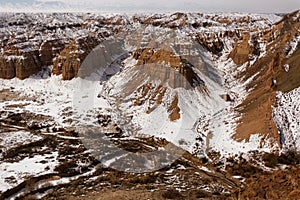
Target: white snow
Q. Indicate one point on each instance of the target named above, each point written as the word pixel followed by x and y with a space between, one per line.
pixel 287 117
pixel 293 45
pixel 223 127
pixel 53 97
pixel 15 138
pixel 286 68
pixel 20 171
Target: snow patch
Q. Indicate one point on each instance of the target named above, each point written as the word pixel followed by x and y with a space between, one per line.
pixel 287 117
pixel 12 174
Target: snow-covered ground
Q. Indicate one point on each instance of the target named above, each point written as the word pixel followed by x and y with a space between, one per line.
pixel 13 173
pixel 49 96
pixel 287 117
pixel 16 138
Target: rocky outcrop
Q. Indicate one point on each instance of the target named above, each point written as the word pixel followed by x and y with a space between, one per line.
pixel 212 42
pixel 176 20
pixel 280 184
pixel 241 50
pixel 50 49
pixel 7 68
pixel 29 42
pixel 167 58
pixel 26 58
pixel 149 55
pixel 70 58
pixel 19 60
pixel 269 76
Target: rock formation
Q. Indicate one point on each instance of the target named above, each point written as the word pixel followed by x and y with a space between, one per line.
pixel 70 58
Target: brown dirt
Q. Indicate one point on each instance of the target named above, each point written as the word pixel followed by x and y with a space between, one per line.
pixel 148 55
pixel 256 108
pixel 119 195
pixel 8 94
pixel 174 110
pixel 257 118
pixel 147 195
pixel 241 51
pixel 273 185
pixel 287 81
pixel 160 93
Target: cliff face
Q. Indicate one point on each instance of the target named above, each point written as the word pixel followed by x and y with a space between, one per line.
pixel 49 49
pixel 176 20
pixel 241 50
pixel 70 58
pixel 270 75
pixel 30 42
pixel 19 60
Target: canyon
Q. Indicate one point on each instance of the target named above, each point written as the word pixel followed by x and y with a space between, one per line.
pixel 183 105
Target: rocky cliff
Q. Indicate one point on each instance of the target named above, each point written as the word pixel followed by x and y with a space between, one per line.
pixel 70 58
pixel 270 74
pixel 260 47
pixel 223 87
pixel 30 42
